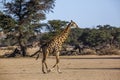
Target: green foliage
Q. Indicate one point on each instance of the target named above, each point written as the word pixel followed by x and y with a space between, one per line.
pixel 7 24
pixel 56 25
pixel 89 37
pixel 48 36
pixel 27 11
pixel 26 14
pixel 74 35
pixel 103 35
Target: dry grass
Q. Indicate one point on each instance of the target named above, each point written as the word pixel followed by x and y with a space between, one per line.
pixel 3 52
pixel 9 50
pixel 30 51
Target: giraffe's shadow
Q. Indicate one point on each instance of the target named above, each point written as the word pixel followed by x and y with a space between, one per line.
pixel 92 68
pixel 93 58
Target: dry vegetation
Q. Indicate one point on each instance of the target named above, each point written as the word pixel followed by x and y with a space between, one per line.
pixel 110 51
pixel 9 50
pixel 4 51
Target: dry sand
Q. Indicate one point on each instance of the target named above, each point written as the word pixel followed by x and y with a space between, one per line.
pixel 73 68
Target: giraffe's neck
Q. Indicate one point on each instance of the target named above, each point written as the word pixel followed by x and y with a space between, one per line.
pixel 66 31
pixel 58 40
pixel 64 34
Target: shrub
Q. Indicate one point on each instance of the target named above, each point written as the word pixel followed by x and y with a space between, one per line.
pixel 110 51
pixel 89 52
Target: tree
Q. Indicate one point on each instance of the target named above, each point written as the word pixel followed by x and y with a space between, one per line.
pixel 73 38
pixel 56 25
pixel 7 24
pixel 27 15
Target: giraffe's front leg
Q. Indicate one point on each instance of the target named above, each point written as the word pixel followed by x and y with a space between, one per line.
pixel 58 69
pixel 57 63
pixel 47 69
pixel 44 64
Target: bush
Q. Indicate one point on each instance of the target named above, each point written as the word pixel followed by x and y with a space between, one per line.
pixel 89 52
pixel 110 51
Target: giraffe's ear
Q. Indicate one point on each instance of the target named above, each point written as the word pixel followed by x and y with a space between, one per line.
pixel 71 20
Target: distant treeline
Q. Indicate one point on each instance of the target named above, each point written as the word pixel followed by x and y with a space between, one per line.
pixel 101 35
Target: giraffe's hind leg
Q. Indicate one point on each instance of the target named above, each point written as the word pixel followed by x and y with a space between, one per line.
pixel 44 64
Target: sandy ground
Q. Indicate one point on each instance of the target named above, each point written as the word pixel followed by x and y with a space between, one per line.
pixel 73 68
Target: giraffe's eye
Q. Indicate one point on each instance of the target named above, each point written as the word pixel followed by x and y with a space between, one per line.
pixel 72 24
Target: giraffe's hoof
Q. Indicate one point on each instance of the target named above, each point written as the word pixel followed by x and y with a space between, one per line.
pixel 48 71
pixel 44 72
pixel 60 72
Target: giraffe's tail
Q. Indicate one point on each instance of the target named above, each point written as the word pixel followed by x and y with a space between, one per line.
pixel 39 51
pixel 37 57
pixel 36 53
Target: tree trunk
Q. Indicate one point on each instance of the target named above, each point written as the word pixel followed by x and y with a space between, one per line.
pixel 22 45
pixel 23 50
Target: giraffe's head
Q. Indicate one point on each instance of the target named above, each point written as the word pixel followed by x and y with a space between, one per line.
pixel 73 24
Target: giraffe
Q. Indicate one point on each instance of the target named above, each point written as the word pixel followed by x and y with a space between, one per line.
pixel 54 46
